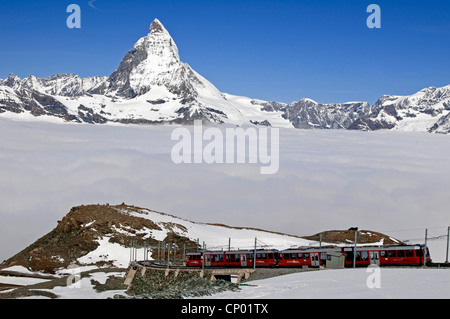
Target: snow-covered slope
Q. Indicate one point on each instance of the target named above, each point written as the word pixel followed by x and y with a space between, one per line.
pixel 59 84
pixel 423 111
pixel 323 284
pixel 349 284
pixel 103 235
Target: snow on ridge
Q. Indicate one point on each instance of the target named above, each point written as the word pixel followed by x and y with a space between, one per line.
pixel 217 236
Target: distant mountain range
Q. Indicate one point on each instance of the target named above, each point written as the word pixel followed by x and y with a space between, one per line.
pixel 153 86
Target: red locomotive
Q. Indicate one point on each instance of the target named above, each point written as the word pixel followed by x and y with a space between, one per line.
pixel 312 257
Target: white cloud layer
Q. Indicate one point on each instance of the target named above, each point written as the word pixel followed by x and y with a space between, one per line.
pixel 382 181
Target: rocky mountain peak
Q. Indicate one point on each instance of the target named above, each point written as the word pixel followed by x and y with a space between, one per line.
pixel 153 60
pixel 157 27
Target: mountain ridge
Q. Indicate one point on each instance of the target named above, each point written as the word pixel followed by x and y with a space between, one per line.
pixel 153 86
pixel 102 235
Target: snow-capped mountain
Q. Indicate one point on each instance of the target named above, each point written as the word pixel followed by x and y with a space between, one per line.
pixel 152 85
pixel 60 84
pixel 309 114
pixel 426 111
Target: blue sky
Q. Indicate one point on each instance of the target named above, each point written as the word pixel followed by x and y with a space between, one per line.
pixel 272 50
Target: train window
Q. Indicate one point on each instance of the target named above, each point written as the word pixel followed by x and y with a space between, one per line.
pixel 364 256
pixel 358 256
pixel 400 253
pixel 270 255
pixel 323 256
pixel 264 256
pixel 299 255
pixel 233 258
pixel 383 253
pixel 258 256
pixel 305 255
pixel 227 258
pixel 249 256
pixel 419 252
pixel 292 255
pixel 286 256
pixel 409 253
pixel 392 253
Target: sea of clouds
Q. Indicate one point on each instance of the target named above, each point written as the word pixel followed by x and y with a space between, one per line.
pixel 393 182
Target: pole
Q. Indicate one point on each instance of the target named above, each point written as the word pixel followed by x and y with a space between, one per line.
pixel 354 253
pixel 163 255
pixel 448 243
pixel 203 259
pixel 168 256
pixel 175 254
pixel 254 255
pixel 159 250
pixel 425 248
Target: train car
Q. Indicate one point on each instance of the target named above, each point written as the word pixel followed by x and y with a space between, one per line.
pixel 264 258
pixel 214 258
pixel 236 258
pixel 194 259
pixel 395 255
pixel 307 257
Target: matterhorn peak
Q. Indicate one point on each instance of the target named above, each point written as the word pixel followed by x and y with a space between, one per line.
pixel 153 60
pixel 157 27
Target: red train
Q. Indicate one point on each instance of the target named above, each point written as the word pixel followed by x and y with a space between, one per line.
pixel 312 257
pixel 236 258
